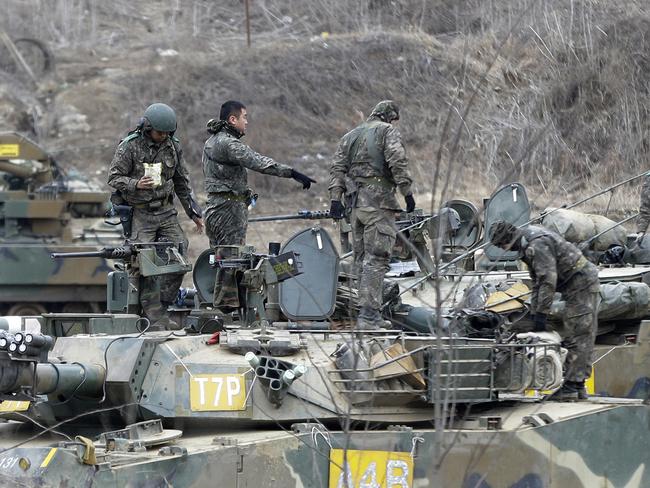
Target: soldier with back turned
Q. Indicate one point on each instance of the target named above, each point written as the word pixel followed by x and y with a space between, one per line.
pixel 372 156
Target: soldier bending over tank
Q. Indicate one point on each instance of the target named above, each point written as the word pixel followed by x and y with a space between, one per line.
pixel 557 265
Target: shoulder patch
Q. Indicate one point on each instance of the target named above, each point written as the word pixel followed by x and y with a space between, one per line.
pixel 530 252
pixel 130 137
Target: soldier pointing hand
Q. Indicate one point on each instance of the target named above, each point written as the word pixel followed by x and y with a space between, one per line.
pixel 225 162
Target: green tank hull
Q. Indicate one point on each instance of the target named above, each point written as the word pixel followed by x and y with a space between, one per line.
pixel 528 445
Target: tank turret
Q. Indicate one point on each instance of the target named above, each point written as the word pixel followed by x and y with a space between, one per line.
pixel 285 385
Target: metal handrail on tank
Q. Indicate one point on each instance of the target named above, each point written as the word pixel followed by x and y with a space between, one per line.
pixel 520 374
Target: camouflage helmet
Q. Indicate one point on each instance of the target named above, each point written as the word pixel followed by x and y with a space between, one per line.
pixel 503 234
pixel 386 110
pixel 160 117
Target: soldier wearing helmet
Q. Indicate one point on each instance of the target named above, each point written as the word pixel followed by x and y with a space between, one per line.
pixel 147 170
pixel 373 158
pixel 556 265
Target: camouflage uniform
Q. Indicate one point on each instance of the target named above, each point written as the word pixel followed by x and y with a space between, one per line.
pixel 225 159
pixel 557 265
pixel 644 206
pixel 373 156
pixel 154 215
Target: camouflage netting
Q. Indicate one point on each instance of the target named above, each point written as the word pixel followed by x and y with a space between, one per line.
pixel 578 227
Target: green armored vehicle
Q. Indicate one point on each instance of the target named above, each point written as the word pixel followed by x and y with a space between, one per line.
pixel 475 281
pixel 278 394
pixel 44 210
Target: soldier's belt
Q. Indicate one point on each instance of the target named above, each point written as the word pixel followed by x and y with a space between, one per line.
pixel 233 197
pixel 153 204
pixel 375 181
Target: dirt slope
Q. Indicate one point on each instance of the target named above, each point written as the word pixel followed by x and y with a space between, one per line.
pixel 553 94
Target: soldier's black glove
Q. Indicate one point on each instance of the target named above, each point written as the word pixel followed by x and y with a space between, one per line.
pixel 539 322
pixel 410 203
pixel 304 179
pixel 195 208
pixel 639 239
pixel 337 211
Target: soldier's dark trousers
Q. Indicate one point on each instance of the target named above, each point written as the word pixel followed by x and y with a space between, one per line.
pixel 374 234
pixel 226 222
pixel 226 294
pixel 225 225
pixel 582 300
pixel 148 227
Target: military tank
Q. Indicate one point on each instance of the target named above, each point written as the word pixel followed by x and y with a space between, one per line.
pixel 42 210
pixel 278 394
pixel 487 278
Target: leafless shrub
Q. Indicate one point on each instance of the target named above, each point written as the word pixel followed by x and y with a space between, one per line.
pixel 572 76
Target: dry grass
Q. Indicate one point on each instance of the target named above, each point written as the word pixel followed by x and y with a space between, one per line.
pixel 552 93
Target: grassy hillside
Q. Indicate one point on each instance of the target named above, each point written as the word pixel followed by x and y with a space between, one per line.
pixel 552 93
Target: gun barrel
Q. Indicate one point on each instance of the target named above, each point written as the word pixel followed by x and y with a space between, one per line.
pixel 52 379
pixel 18 170
pixel 85 254
pixel 416 220
pixel 106 253
pixel 271 218
pixel 306 215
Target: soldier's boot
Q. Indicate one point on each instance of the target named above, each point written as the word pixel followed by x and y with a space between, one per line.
pixel 165 320
pixel 158 318
pixel 164 323
pixel 370 319
pixel 570 392
pixel 582 391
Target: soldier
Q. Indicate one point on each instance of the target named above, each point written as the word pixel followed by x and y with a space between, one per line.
pixel 147 169
pixel 225 160
pixel 644 211
pixel 373 156
pixel 557 265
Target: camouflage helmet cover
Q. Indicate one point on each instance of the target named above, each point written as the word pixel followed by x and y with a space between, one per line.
pixel 387 110
pixel 160 117
pixel 503 234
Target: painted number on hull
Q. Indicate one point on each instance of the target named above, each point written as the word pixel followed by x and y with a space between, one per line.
pixel 215 392
pixel 370 469
pixel 13 406
pixel 9 150
pixel 8 462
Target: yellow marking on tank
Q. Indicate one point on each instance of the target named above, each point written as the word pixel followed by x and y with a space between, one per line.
pixel 9 150
pixel 590 383
pixel 13 406
pixel 49 457
pixel 536 393
pixel 217 392
pixel 381 469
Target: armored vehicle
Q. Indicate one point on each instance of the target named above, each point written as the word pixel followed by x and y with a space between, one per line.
pixel 278 393
pixel 42 210
pixel 475 281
